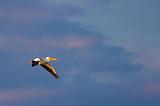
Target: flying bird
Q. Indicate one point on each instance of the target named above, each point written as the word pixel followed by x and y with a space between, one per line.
pixel 44 62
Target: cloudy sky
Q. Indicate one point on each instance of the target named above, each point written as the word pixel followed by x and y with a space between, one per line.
pixel 108 50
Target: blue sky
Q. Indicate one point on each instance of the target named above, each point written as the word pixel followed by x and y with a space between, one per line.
pixel 108 50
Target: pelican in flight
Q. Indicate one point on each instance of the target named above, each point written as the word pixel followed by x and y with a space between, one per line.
pixel 44 62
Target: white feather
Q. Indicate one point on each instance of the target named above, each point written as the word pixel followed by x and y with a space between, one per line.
pixel 47 58
pixel 36 59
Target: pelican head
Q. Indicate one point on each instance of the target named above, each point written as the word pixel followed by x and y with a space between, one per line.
pixel 51 59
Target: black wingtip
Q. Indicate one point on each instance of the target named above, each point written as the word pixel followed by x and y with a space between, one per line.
pixel 56 76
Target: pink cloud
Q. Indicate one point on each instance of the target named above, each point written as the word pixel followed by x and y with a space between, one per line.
pixel 78 42
pixel 17 95
pixel 68 42
pixel 153 90
pixel 148 91
pixel 27 44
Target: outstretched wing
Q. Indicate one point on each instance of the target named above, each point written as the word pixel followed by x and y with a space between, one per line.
pixel 50 69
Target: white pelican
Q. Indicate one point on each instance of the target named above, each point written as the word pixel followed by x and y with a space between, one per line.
pixel 44 62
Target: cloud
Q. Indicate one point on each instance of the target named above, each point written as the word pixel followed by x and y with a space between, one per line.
pixel 129 27
pixel 152 90
pixel 26 44
pixel 30 12
pixel 107 78
pixel 12 96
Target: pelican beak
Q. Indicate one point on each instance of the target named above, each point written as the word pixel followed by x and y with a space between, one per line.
pixel 53 59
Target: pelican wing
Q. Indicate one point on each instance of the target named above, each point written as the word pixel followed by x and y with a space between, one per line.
pixel 50 69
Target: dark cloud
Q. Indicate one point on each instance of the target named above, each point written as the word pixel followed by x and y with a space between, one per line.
pixel 17 17
pixel 38 10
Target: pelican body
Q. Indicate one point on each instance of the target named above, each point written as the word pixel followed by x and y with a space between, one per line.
pixel 44 62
